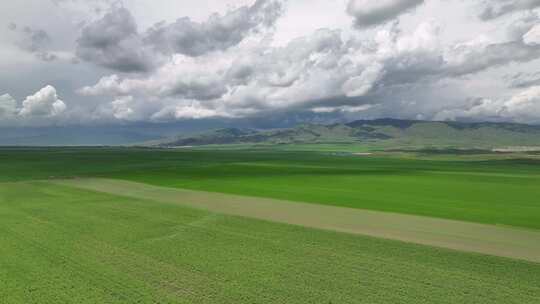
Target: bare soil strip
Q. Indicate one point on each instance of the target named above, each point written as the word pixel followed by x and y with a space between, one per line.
pixel 501 241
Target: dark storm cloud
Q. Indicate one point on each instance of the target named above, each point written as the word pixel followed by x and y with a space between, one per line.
pixel 114 42
pixel 492 9
pixel 219 32
pixel 369 12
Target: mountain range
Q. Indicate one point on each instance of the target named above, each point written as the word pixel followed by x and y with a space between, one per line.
pixel 382 133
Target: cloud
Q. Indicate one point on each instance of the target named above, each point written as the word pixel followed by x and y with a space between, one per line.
pixel 187 110
pixel 524 80
pixel 319 71
pixel 342 109
pixel 470 59
pixel 368 13
pixel 519 26
pixel 491 9
pixel 532 37
pixel 113 42
pixel 219 32
pixel 109 85
pixel 361 84
pixel 44 103
pixel 255 61
pixel 246 81
pixel 8 106
pixel 420 56
pixel 121 108
pixel 35 41
pixel 522 107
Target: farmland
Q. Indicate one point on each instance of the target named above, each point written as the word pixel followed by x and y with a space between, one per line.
pixel 73 231
pixel 451 189
pixel 64 245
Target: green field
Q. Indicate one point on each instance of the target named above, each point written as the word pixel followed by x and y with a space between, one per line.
pixel 452 189
pixel 63 245
pixel 504 241
pixel 60 243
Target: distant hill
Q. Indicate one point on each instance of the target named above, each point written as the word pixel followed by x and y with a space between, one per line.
pixel 383 133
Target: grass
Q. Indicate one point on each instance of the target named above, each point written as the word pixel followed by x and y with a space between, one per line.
pixel 502 241
pixel 64 245
pixel 501 192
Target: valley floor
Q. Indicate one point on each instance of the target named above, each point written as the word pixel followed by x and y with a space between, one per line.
pixel 130 225
pixel 487 239
pixel 61 244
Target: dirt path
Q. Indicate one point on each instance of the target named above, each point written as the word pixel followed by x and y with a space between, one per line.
pixel 486 239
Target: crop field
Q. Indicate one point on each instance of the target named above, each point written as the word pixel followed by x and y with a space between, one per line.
pixel 127 225
pixel 489 239
pixel 65 245
pixel 451 189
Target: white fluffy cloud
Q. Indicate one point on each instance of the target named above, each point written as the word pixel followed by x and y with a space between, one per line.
pixel 532 37
pixel 522 107
pixel 121 108
pixel 372 12
pixel 42 108
pixel 342 109
pixel 44 103
pixel 186 110
pixel 360 85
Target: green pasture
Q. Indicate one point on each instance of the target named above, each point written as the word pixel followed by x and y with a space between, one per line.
pixel 491 191
pixel 64 245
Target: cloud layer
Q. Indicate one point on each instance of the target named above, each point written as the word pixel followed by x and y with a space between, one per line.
pixel 35 41
pixel 114 41
pixel 389 58
pixel 495 9
pixel 219 32
pixel 368 12
pixel 320 71
pixel 8 106
pixel 522 107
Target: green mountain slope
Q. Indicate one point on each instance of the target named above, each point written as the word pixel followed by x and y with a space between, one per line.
pixel 384 133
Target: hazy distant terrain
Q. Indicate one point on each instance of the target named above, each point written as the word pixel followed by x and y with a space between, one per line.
pixel 367 134
pixel 381 133
pixel 95 135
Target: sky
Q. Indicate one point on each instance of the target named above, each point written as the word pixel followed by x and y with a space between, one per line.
pixel 103 62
